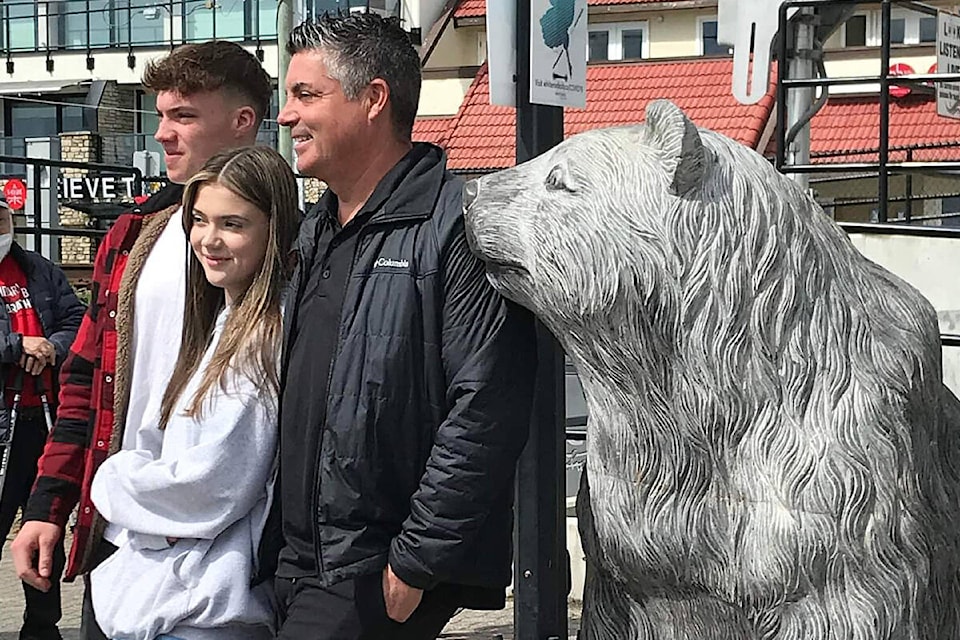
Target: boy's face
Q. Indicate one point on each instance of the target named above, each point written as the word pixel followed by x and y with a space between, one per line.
pixel 194 128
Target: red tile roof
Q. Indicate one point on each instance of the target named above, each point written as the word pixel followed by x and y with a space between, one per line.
pixel 431 129
pixel 478 8
pixel 848 130
pixel 482 137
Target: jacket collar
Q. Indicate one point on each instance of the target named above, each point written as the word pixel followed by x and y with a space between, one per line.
pixel 408 191
pixel 168 196
pixel 19 255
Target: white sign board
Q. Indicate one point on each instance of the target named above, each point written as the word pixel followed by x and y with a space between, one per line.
pixel 749 26
pixel 91 187
pixel 502 51
pixel 558 53
pixel 948 61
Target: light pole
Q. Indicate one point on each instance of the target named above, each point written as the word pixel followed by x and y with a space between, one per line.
pixel 284 27
pixel 540 560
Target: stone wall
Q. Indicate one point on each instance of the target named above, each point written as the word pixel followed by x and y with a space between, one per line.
pixel 312 190
pixel 77 147
pixel 116 123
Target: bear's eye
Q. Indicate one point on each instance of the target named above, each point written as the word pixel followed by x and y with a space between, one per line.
pixel 559 179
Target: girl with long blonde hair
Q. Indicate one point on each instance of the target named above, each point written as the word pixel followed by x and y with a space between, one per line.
pixel 194 495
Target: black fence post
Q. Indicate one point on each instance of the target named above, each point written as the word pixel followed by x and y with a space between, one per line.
pixel 541 564
pixel 37 206
pixel 884 155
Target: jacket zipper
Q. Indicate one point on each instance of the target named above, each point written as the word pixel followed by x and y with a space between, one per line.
pixel 326 413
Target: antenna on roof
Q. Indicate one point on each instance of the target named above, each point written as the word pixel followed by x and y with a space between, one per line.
pixel 749 26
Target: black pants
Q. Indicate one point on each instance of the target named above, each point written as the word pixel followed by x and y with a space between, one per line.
pixel 355 610
pixel 42 612
pixel 89 629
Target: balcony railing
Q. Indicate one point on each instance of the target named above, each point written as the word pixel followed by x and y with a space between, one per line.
pixel 91 25
pixel 120 148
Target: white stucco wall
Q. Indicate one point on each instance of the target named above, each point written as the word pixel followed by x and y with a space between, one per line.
pixel 930 265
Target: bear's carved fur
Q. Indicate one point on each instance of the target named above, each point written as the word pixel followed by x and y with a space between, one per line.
pixel 771 452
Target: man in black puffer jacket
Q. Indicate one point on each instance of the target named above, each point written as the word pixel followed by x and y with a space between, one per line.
pixel 39 320
pixel 407 381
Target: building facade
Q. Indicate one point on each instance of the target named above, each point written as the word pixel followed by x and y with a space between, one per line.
pixel 75 65
pixel 639 50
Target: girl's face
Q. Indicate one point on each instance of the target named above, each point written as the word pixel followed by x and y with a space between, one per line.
pixel 229 236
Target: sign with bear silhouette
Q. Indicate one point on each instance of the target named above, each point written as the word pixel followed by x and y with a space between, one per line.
pixel 558 60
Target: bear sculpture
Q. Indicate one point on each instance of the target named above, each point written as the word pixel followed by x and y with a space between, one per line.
pixel 771 453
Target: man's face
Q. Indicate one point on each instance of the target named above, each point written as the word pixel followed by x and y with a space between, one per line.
pixel 329 132
pixel 194 128
pixel 6 221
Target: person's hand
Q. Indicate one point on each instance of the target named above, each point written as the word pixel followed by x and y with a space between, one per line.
pixel 35 537
pixel 400 598
pixel 37 354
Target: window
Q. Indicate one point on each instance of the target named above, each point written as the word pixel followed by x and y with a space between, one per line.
pixel 266 18
pixel 911 27
pixel 269 129
pixel 385 7
pixel 898 28
pixel 631 44
pixel 928 29
pixel 598 45
pixel 206 20
pixel 105 23
pixel 855 31
pixel 17 28
pixel 100 23
pixel 87 23
pixel 230 19
pixel 617 41
pixel 30 119
pixel 906 27
pixel 147 123
pixel 143 23
pixel 319 7
pixel 708 39
pixel 481 47
pixel 950 209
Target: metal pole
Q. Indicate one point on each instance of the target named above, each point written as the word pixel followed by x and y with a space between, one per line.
pixel 37 208
pixel 541 564
pixel 884 174
pixel 284 27
pixel 908 188
pixel 781 91
pixel 799 100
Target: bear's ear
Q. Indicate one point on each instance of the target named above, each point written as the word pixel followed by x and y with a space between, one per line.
pixel 680 145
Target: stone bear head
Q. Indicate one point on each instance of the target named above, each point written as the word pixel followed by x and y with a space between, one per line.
pixel 580 229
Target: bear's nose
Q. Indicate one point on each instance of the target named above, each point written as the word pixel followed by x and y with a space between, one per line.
pixel 470 191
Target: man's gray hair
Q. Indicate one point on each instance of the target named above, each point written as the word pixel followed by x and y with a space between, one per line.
pixel 360 47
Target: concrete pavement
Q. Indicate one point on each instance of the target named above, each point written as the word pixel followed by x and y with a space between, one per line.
pixel 468 625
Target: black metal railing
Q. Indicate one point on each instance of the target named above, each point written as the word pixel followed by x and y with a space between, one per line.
pixel 883 167
pixel 45 189
pixel 92 25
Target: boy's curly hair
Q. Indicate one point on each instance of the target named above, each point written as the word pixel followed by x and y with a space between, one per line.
pixel 212 66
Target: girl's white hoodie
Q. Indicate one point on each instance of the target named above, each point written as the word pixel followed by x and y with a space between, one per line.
pixel 206 485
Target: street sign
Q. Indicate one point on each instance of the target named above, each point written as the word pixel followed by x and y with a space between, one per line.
pixel 15 193
pixel 948 61
pixel 502 51
pixel 558 53
pixel 749 26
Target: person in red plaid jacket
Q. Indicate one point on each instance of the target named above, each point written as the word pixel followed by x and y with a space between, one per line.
pixel 211 97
